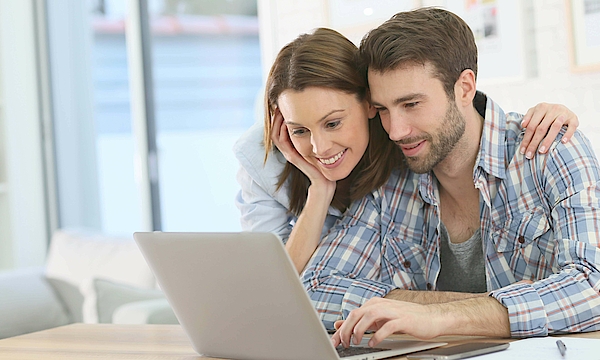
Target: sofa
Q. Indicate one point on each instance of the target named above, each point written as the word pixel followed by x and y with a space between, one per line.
pixel 88 277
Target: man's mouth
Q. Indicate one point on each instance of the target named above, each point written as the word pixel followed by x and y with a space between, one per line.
pixel 411 149
pixel 408 147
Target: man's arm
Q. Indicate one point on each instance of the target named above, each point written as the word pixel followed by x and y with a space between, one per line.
pixel 569 299
pixel 482 315
pixel 430 297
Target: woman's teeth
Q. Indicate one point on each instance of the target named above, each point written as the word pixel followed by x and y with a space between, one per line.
pixel 332 160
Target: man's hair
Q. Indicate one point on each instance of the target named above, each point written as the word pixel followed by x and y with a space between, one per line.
pixel 424 36
pixel 327 59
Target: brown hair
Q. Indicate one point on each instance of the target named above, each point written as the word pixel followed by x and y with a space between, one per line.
pixel 427 35
pixel 325 58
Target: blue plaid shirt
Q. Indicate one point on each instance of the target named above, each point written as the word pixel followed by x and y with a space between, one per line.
pixel 539 222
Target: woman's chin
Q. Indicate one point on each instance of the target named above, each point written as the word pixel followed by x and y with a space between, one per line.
pixel 338 176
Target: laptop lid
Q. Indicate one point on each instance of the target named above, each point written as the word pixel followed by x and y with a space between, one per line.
pixel 237 295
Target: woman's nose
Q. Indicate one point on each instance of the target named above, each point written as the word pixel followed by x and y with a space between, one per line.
pixel 320 144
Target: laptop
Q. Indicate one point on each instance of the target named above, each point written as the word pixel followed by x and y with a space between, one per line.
pixel 238 296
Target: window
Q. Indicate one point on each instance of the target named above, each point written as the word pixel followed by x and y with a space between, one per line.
pixel 206 75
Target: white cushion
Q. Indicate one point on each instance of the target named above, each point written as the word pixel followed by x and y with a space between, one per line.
pixel 154 311
pixel 28 303
pixel 102 297
pixel 76 255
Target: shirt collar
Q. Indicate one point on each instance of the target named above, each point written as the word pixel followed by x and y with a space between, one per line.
pixel 492 148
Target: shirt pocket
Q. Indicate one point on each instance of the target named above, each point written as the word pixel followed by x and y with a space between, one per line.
pixel 405 262
pixel 521 231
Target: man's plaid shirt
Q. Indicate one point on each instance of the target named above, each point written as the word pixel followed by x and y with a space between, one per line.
pixel 540 221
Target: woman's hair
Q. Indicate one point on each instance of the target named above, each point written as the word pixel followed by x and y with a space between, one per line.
pixel 327 59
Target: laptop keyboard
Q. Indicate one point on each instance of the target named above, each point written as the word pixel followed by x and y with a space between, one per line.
pixel 356 350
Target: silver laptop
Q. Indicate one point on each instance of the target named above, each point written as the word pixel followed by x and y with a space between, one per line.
pixel 238 296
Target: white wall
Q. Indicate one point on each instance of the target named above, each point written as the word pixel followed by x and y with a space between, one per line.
pixel 281 21
pixel 545 29
pixel 554 82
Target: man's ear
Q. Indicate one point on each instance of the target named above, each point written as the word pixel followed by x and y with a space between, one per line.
pixel 465 88
pixel 371 111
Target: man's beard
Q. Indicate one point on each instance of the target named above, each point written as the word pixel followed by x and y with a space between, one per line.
pixel 441 144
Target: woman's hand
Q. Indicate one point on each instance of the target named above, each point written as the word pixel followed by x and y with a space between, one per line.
pixel 306 234
pixel 281 139
pixel 543 122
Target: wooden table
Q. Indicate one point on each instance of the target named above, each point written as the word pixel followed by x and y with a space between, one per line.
pixel 107 341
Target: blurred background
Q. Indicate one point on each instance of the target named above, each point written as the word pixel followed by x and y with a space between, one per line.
pixel 120 115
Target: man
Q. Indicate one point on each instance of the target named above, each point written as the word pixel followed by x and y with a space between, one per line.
pixel 511 245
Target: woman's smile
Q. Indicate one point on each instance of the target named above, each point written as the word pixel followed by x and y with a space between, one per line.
pixel 332 161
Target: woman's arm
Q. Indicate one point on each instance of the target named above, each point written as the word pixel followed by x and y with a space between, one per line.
pixel 259 210
pixel 306 234
pixel 262 207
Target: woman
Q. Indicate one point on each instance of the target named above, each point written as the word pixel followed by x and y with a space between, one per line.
pixel 318 117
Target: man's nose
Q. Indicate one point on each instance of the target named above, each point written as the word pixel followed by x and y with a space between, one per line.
pixel 397 127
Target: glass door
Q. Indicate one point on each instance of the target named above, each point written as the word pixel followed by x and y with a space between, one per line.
pixel 207 80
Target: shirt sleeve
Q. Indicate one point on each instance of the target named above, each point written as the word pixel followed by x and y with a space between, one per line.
pixel 568 300
pixel 259 211
pixel 339 276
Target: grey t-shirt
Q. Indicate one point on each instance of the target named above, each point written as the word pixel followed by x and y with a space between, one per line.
pixel 462 265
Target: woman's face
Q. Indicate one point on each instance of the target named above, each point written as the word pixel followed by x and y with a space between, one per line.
pixel 329 128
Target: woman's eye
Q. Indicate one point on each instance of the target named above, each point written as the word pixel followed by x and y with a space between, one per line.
pixel 298 132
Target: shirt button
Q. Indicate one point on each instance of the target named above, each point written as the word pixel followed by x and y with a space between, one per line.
pixel 521 239
pixel 406 264
pixel 429 286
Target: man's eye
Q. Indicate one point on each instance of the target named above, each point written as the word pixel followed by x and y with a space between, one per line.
pixel 412 104
pixel 332 124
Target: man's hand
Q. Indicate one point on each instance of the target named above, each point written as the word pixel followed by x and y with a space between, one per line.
pixel 387 317
pixel 483 316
